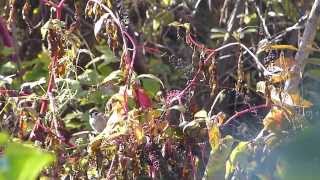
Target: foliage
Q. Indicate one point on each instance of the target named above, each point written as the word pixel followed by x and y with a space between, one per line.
pixel 175 107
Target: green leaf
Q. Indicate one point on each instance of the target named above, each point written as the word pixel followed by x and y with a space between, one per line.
pixel 114 76
pixel 3 138
pixel 151 87
pixel 107 57
pixel 167 2
pixel 155 24
pixel 33 84
pixel 238 157
pixel 216 164
pixel 5 51
pixel 35 75
pixel 150 76
pixel 314 74
pixel 89 77
pixel 8 68
pixel 22 162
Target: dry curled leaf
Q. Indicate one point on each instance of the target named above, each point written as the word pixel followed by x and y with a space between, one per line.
pixel 288 99
pixel 274 120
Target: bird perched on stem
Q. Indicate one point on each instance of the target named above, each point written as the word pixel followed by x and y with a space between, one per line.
pixel 97 120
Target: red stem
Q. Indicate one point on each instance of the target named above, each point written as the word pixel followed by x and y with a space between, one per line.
pixel 237 114
pixel 209 52
pixel 4 34
pixel 58 7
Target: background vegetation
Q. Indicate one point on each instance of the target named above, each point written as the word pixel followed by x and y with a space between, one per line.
pixel 207 89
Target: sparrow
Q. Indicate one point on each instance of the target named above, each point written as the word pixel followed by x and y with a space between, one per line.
pixel 97 120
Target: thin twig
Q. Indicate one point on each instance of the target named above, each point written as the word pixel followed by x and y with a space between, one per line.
pixel 263 21
pixel 259 64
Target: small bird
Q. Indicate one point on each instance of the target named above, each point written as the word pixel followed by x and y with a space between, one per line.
pixel 97 120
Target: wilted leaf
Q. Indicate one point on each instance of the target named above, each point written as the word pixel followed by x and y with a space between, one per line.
pixel 288 99
pixel 51 24
pixel 261 87
pixel 275 120
pixel 283 47
pixel 99 23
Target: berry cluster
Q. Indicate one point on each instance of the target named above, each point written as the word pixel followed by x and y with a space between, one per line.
pixel 272 55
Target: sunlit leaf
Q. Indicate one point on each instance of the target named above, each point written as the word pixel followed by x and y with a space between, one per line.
pixel 183 25
pixel 150 76
pixel 114 76
pixel 214 137
pixel 288 99
pixel 275 120
pixel 238 157
pixel 24 162
pixel 216 164
pixel 283 47
pixel 180 108
pixel 8 68
pixel 99 23
pixel 139 134
pixel 3 138
pixel 167 2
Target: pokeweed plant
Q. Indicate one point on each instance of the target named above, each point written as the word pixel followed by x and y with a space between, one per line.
pixel 200 119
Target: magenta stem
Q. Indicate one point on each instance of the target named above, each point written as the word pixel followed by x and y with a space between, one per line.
pixel 237 114
pixel 4 34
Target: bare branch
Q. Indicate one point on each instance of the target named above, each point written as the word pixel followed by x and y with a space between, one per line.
pixel 304 50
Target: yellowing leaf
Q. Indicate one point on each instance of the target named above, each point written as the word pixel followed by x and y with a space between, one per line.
pixel 155 24
pixel 214 137
pixel 282 47
pixel 167 2
pixel 274 119
pixel 288 99
pixel 202 114
pixel 281 77
pixel 184 25
pixel 284 63
pixel 139 134
pixel 261 87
